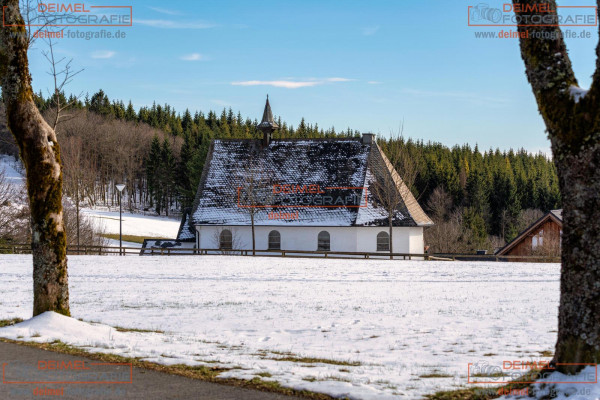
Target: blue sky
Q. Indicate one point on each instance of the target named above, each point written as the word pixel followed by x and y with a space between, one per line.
pixel 368 65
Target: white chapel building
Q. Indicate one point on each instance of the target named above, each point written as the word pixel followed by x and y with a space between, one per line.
pixel 315 195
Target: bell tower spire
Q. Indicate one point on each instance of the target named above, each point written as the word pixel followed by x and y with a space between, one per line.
pixel 267 125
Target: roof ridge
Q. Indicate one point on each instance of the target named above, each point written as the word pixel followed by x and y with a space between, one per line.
pixel 352 139
pixel 410 202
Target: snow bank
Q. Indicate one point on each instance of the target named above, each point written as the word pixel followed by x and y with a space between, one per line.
pixel 133 224
pixel 52 326
pixel 380 328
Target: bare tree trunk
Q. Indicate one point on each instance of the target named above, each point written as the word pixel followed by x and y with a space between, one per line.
pixel 572 118
pixel 390 221
pixel 579 311
pixel 40 153
pixel 77 209
pixel 253 237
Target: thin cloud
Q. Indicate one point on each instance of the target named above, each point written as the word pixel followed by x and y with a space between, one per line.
pixel 339 80
pixel 374 83
pixel 282 84
pixel 192 57
pixel 370 30
pixel 169 24
pixel 165 11
pixel 291 84
pixel 103 54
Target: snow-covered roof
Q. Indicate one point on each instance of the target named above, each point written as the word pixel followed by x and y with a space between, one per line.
pixel 338 167
pixel 186 231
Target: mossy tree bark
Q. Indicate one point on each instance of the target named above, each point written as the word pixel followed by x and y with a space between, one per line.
pixel 573 126
pixel 40 153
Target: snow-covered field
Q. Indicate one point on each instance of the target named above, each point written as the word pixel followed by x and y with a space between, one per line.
pixel 134 224
pixel 388 328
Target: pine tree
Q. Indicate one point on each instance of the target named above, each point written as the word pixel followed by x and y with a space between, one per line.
pixel 130 112
pixel 302 131
pixel 187 122
pixel 100 104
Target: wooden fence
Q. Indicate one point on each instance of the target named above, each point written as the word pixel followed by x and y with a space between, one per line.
pixel 172 251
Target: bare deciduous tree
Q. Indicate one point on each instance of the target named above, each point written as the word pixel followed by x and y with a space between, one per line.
pixel 548 244
pixel 40 153
pixel 62 74
pixel 72 161
pixel 528 217
pixel 394 176
pixel 12 216
pixel 439 204
pixel 572 118
pixel 256 190
pixel 101 164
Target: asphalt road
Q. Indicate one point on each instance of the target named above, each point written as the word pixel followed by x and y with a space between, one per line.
pixel 37 367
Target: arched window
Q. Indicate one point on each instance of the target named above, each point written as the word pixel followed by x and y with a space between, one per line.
pixel 274 240
pixel 383 241
pixel 323 243
pixel 226 240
